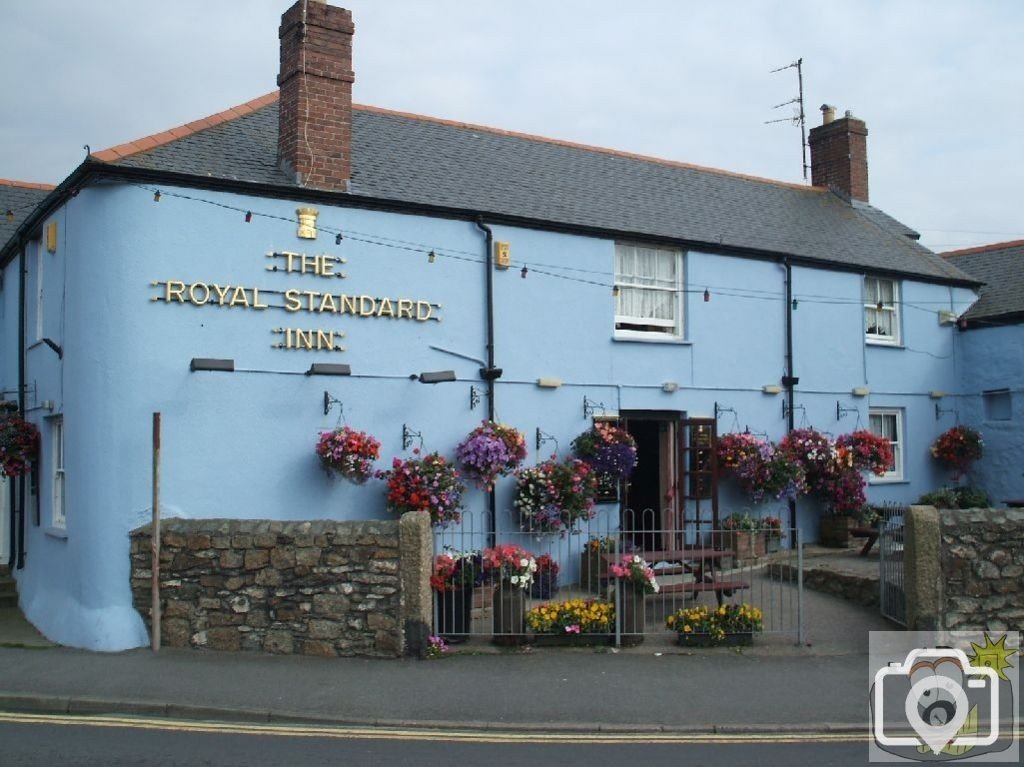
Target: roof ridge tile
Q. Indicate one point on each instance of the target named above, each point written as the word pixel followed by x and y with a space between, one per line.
pixel 983 248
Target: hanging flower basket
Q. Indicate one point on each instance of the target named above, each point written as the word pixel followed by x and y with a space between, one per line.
pixel 864 451
pixel 609 450
pixel 490 451
pixel 348 453
pixel 957 448
pixel 19 445
pixel 429 484
pixel 552 497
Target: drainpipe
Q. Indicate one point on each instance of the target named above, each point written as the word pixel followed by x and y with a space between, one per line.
pixel 21 410
pixel 789 380
pixel 490 373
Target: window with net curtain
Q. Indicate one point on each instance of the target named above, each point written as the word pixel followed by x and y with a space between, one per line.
pixel 649 296
pixel 881 310
pixel 888 423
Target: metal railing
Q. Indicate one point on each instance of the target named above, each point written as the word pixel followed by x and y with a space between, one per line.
pixel 891 597
pixel 692 566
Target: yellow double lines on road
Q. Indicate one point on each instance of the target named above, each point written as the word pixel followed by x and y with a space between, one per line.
pixel 432 734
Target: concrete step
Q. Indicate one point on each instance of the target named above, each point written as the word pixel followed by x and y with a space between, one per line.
pixel 8 586
pixel 9 600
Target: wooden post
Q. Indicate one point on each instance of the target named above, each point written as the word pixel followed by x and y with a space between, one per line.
pixel 155 537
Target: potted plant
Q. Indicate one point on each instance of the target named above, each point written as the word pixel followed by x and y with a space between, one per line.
pixel 744 536
pixel 762 470
pixel 454 575
pixel 19 444
pixel 491 450
pixel 429 484
pixel 511 569
pixel 545 580
pixel 703 626
pixel 634 578
pixel 575 621
pixel 772 527
pixel 593 564
pixel 349 453
pixel 611 452
pixel 552 497
pixel 958 448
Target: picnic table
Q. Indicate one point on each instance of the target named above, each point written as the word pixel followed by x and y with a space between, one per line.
pixel 871 533
pixel 704 564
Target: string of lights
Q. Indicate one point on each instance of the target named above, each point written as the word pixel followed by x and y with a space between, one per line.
pixel 433 252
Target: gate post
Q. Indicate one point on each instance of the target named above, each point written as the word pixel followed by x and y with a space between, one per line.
pixel 922 577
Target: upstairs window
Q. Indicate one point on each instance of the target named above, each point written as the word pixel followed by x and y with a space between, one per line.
pixel 649 303
pixel 60 512
pixel 881 311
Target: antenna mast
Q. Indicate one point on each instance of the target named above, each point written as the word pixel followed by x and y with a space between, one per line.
pixel 798 117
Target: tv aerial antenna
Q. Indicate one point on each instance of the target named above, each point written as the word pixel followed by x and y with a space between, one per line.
pixel 798 111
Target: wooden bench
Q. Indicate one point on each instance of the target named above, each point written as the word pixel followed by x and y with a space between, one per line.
pixel 871 533
pixel 702 563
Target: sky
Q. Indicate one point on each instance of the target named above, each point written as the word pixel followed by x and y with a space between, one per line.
pixel 938 83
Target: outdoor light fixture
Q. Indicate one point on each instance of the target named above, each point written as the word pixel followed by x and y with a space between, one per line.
pixel 549 383
pixel 936 394
pixel 771 389
pixel 329 369
pixel 436 376
pixel 208 363
pixel 669 386
pixel 860 391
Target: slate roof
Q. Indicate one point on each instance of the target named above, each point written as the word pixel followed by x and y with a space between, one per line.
pixel 21 198
pixel 1001 268
pixel 411 159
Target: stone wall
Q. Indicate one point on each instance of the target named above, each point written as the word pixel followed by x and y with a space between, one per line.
pixel 965 569
pixel 313 588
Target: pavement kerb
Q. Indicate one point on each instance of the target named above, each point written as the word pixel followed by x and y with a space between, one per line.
pixel 74 706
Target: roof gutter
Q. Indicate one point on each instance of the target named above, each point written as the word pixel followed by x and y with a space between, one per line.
pixel 92 169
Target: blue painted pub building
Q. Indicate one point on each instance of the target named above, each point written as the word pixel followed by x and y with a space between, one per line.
pixel 220 273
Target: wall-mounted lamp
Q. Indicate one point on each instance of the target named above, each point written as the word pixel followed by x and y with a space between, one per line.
pixel 860 391
pixel 209 363
pixel 771 389
pixel 669 386
pixel 549 383
pixel 946 317
pixel 435 376
pixel 936 394
pixel 329 369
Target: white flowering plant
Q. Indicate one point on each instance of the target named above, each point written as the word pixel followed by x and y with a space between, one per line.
pixel 508 562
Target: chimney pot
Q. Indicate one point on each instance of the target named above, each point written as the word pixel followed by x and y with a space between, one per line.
pixel 828 114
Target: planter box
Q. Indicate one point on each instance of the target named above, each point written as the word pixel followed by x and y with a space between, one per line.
pixel 509 614
pixel 544 586
pixel 593 571
pixel 745 545
pixel 740 639
pixel 454 614
pixel 772 544
pixel 834 531
pixel 571 640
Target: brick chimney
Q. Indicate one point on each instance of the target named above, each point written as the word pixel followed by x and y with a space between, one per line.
pixel 314 139
pixel 839 154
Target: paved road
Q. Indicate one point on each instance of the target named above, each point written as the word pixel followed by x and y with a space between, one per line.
pixel 53 741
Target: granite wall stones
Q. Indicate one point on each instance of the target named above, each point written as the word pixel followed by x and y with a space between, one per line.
pixel 968 568
pixel 321 588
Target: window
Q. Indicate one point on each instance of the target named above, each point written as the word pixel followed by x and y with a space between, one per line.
pixel 998 405
pixel 881 311
pixel 889 424
pixel 59 518
pixel 649 285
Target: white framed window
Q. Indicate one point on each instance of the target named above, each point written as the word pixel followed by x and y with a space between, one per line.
pixel 60 513
pixel 888 423
pixel 649 295
pixel 881 311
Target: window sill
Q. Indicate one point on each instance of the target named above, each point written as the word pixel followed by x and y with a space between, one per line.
pixel 59 533
pixel 884 344
pixel 885 481
pixel 653 339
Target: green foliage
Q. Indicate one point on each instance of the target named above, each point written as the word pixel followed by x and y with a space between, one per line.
pixel 956 498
